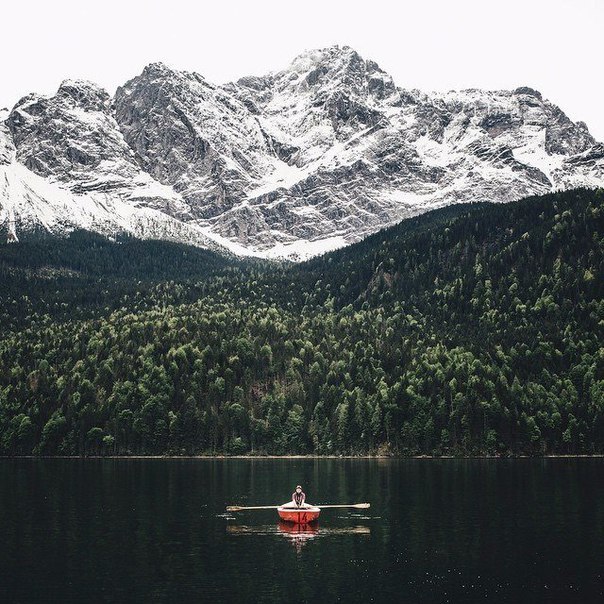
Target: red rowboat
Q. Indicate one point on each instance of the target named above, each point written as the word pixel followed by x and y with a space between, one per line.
pixel 290 512
pixel 298 515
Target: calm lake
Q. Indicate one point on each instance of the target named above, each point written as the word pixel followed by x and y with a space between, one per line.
pixel 437 531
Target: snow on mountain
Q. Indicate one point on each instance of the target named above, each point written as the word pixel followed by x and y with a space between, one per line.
pixel 291 164
pixel 64 165
pixel 193 136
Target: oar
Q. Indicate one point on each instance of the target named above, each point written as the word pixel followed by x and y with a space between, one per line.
pixel 239 508
pixel 358 506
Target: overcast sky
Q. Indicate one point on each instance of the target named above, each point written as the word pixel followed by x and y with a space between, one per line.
pixel 554 46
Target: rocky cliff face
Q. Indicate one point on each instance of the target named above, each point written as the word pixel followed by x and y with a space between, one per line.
pixel 192 136
pixel 74 140
pixel 64 164
pixel 290 164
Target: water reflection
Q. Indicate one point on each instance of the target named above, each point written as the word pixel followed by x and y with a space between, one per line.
pixel 522 531
pixel 297 534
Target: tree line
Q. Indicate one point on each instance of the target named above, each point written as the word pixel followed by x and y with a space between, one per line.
pixel 469 330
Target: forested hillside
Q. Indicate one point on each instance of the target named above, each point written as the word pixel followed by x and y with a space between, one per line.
pixel 469 330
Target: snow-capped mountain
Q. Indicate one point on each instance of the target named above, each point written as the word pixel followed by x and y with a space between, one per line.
pixel 290 164
pixel 64 164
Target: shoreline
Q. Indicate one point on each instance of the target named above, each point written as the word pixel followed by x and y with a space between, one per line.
pixel 298 457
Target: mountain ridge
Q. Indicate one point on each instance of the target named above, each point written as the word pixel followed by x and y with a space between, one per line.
pixel 290 164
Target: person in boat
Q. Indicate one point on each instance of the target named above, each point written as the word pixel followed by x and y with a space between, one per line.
pixel 298 497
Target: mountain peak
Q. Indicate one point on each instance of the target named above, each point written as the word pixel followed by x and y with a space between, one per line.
pixel 331 57
pixel 327 53
pixel 157 68
pixel 526 90
pixel 337 68
pixel 161 71
pixel 85 94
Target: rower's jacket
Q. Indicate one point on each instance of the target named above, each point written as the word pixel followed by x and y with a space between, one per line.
pixel 298 498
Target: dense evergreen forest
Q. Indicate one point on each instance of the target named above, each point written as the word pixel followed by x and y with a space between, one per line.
pixel 469 330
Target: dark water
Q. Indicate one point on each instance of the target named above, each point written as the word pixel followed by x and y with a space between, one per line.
pixel 437 531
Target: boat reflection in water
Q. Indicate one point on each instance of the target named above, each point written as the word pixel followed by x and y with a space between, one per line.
pixel 297 534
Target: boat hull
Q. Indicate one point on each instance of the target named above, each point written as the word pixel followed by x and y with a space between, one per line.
pixel 299 515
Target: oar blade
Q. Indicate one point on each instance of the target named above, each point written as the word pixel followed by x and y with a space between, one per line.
pixel 233 508
pixel 362 506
